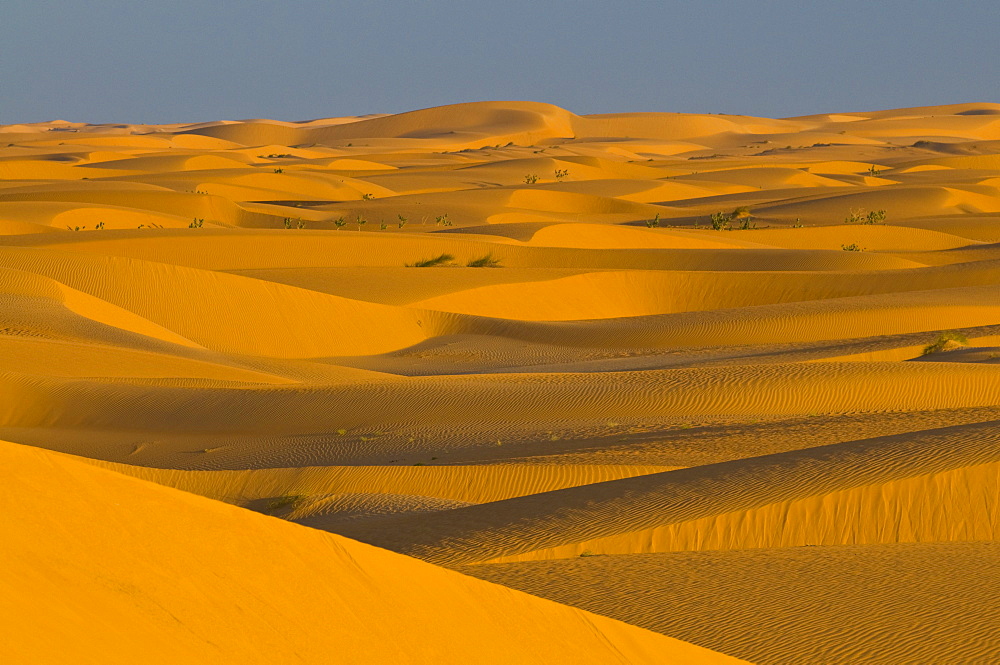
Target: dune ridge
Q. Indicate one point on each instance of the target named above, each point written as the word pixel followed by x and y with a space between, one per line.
pixel 710 375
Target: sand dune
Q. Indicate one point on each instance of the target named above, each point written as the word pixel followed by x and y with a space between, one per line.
pixel 939 486
pixel 503 334
pixel 159 593
pixel 919 603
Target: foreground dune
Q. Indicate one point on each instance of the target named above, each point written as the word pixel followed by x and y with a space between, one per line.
pixel 710 375
pixel 163 587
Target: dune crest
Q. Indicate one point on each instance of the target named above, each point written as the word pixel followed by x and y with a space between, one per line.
pixel 659 366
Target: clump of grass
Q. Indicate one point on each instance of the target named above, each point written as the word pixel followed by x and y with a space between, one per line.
pixel 436 262
pixel 723 221
pixel 286 501
pixel 484 262
pixel 279 170
pixel 653 223
pixel 561 173
pixel 855 216
pixel 195 224
pixel 860 216
pixel 530 179
pixel 720 221
pixel 853 247
pixel 875 217
pixel 942 341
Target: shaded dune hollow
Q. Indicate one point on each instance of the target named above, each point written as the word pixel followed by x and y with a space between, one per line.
pixel 709 388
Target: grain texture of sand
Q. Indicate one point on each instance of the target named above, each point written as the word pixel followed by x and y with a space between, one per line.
pixel 732 380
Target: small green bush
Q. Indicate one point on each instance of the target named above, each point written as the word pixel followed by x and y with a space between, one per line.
pixel 860 216
pixel 875 217
pixel 436 262
pixel 484 262
pixel 942 341
pixel 286 501
pixel 720 221
pixel 530 179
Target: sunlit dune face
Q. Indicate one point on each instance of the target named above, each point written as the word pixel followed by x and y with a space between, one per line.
pixel 723 381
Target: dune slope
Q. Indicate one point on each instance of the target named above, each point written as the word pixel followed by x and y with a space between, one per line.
pixel 112 569
pixel 505 336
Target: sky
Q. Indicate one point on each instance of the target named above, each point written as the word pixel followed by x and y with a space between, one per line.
pixel 185 61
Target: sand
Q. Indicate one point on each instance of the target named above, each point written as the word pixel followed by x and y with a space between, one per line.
pixel 666 368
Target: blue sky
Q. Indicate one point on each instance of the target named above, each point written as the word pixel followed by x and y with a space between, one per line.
pixel 185 61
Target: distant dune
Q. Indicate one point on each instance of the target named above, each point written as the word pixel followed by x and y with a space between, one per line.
pixel 732 381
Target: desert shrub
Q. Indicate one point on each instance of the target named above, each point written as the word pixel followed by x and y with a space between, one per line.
pixel 442 220
pixel 484 262
pixel 279 170
pixel 720 220
pixel 361 222
pixel 561 173
pixel 874 171
pixel 860 216
pixel 340 223
pixel 436 262
pixel 875 217
pixel 942 341
pixel 856 216
pixel 367 197
pixel 530 179
pixel 653 223
pixel 402 221
pixel 196 223
pixel 853 247
pixel 286 501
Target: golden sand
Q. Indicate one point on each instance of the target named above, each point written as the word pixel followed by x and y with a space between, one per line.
pixel 722 378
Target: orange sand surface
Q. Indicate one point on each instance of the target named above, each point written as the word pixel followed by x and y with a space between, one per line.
pixel 731 380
